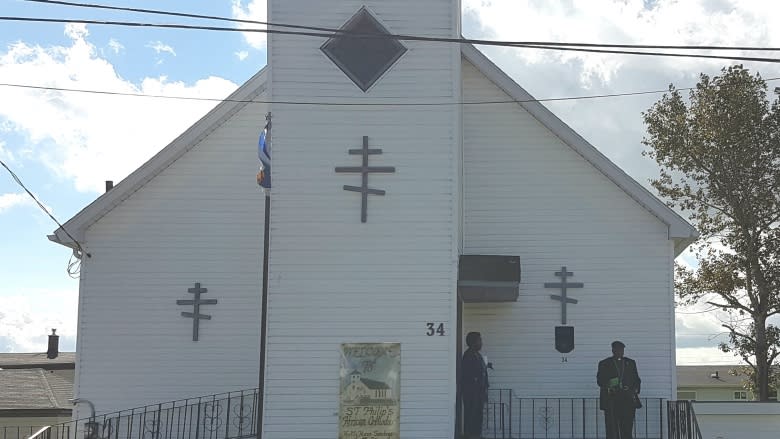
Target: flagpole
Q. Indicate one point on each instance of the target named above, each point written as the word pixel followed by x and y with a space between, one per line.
pixel 264 315
pixel 264 180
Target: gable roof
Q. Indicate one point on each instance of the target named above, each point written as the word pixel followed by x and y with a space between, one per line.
pixel 77 225
pixel 35 389
pixel 64 360
pixel 680 230
pixel 704 376
pixel 711 376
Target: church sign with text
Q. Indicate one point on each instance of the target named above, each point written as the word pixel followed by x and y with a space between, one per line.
pixel 370 391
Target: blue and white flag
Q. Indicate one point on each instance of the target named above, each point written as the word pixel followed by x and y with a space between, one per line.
pixel 264 154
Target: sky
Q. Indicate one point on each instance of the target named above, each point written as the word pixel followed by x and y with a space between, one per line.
pixel 65 145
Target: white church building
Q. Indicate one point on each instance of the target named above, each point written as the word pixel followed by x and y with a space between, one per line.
pixel 406 214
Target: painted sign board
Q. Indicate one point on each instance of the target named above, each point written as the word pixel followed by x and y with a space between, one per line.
pixel 370 391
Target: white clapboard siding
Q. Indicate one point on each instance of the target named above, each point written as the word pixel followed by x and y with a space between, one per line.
pixel 529 194
pixel 333 279
pixel 199 220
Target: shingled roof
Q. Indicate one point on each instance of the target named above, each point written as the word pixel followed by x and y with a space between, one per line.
pixel 708 376
pixel 65 360
pixel 35 389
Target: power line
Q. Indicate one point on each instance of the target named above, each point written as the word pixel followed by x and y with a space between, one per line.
pixel 698 312
pixel 330 34
pixel 401 36
pixel 347 104
pixel 73 267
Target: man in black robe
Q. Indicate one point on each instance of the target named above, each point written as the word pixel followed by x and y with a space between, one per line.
pixel 619 382
pixel 474 386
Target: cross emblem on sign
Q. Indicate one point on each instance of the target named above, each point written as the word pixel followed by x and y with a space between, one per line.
pixel 563 285
pixel 364 170
pixel 196 316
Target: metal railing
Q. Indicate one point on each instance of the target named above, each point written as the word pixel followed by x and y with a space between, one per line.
pixel 508 416
pixel 233 416
pixel 230 415
pixel 682 420
pixel 25 432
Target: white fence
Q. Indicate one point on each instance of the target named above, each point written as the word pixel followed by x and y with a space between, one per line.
pixel 738 420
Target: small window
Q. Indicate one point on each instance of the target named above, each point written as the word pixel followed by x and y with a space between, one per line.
pixel 686 395
pixel 740 396
pixel 364 60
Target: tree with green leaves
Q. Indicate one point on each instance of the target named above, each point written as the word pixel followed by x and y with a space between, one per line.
pixel 719 153
pixel 749 381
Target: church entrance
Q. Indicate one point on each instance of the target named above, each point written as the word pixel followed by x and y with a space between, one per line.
pixel 483 279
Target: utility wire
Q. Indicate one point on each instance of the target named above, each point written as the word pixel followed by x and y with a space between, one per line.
pixel 330 34
pixel 73 267
pixel 347 104
pixel 698 312
pixel 395 36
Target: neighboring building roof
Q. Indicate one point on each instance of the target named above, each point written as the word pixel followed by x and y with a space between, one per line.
pixel 705 377
pixel 65 360
pixel 679 229
pixel 35 389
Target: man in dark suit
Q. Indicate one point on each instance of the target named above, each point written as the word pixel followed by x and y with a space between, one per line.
pixel 474 386
pixel 618 379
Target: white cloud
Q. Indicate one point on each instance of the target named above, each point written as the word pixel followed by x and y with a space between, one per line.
pixel 115 46
pixel 11 200
pixel 704 355
pixel 90 138
pixel 255 10
pixel 27 318
pixel 76 31
pixel 615 125
pixel 697 22
pixel 242 55
pixel 5 154
pixel 160 47
pixel 699 331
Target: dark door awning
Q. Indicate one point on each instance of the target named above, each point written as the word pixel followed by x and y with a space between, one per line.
pixel 488 278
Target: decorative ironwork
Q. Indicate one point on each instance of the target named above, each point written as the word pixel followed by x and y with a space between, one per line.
pixel 546 417
pixel 223 416
pixel 243 414
pixel 212 419
pixel 366 57
pixel 196 316
pixel 364 171
pixel 152 426
pixel 508 416
pixel 564 285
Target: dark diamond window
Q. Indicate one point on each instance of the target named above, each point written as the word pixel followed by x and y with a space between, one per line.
pixel 364 60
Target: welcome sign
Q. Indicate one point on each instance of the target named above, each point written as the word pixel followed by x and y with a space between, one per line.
pixel 370 391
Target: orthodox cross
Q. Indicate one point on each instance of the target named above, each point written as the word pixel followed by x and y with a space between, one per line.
pixel 563 285
pixel 364 171
pixel 196 316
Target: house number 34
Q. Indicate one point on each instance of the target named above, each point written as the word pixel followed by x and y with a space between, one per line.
pixel 435 329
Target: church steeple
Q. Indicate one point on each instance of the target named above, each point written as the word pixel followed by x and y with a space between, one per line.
pixel 366 187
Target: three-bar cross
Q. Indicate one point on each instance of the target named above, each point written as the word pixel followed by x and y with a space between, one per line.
pixel 196 316
pixel 563 285
pixel 364 170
